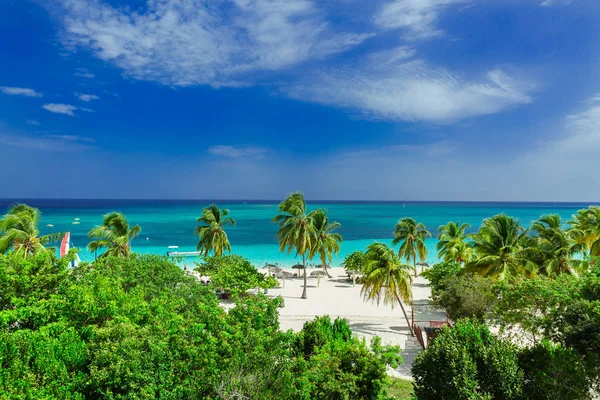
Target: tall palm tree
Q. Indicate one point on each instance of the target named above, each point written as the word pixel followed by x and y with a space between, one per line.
pixel 115 235
pixel 212 234
pixel 504 249
pixel 451 244
pixel 19 231
pixel 386 278
pixel 558 247
pixel 326 240
pixel 585 227
pixel 413 236
pixel 296 229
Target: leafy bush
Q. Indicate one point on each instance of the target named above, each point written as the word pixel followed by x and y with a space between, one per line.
pixel 139 328
pixel 355 261
pixel 467 296
pixel 234 274
pixel 468 362
pixel 438 273
pixel 554 372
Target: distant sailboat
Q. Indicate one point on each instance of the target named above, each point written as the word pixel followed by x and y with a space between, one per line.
pixel 65 245
pixel 50 225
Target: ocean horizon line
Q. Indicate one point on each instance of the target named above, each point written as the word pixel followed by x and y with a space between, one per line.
pixel 317 201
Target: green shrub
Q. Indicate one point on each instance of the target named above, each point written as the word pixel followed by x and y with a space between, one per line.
pixel 467 296
pixel 554 372
pixel 234 274
pixel 468 362
pixel 438 273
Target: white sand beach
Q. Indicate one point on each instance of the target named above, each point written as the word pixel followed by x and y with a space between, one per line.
pixel 337 297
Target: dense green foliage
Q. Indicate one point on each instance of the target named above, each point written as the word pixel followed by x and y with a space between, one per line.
pixel 234 274
pixel 212 231
pixel 355 261
pixel 467 296
pixel 139 328
pixel 114 235
pixel 438 273
pixel 468 362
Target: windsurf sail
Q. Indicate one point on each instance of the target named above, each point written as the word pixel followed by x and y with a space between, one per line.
pixel 65 245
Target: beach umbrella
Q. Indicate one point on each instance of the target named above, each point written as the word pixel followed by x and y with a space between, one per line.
pixel 317 273
pixel 324 265
pixel 298 266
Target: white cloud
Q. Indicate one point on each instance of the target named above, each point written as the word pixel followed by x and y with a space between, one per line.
pixel 417 17
pixel 548 3
pixel 192 42
pixel 87 109
pixel 32 122
pixel 84 73
pixel 17 91
pixel 86 97
pixel 60 108
pixel 410 90
pixel 237 152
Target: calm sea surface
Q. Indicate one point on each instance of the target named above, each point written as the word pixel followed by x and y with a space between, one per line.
pixel 172 222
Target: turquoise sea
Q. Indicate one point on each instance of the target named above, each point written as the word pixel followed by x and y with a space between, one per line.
pixel 172 222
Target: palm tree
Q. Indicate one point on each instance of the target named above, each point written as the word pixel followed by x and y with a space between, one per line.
pixel 558 247
pixel 504 249
pixel 296 229
pixel 386 278
pixel 451 244
pixel 412 235
pixel 585 229
pixel 326 241
pixel 19 231
pixel 114 235
pixel 212 234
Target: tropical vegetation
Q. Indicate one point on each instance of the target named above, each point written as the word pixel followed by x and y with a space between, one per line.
pixel 326 242
pixel 19 231
pixel 307 233
pixel 138 327
pixel 114 235
pixel 452 245
pixel 412 236
pixel 386 279
pixel 211 232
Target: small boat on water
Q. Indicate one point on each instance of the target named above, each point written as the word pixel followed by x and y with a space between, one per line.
pixel 76 222
pixel 77 219
pixel 50 225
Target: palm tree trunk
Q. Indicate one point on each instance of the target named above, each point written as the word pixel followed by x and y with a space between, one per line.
pixel 325 269
pixel 415 266
pixel 405 316
pixel 304 265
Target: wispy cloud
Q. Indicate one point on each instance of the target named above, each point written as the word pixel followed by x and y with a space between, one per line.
pixel 18 91
pixel 72 138
pixel 87 109
pixel 84 73
pixel 33 122
pixel 52 143
pixel 237 152
pixel 417 17
pixel 60 108
pixel 407 89
pixel 548 3
pixel 86 97
pixel 197 42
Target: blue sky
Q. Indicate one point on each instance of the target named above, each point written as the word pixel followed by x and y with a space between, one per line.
pixel 347 99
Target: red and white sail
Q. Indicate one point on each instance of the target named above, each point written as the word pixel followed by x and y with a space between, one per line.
pixel 65 245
